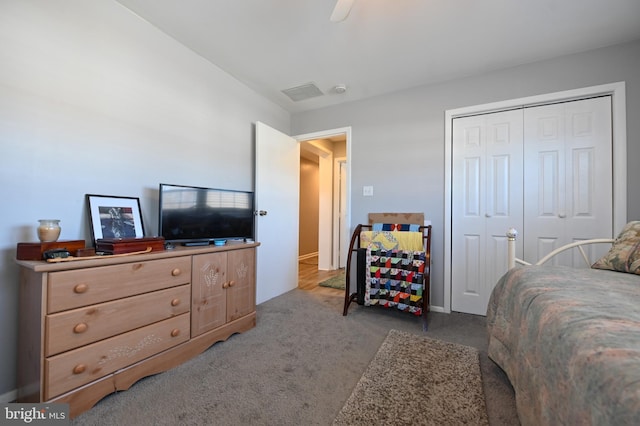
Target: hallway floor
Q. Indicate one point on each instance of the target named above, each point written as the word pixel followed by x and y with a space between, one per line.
pixel 309 276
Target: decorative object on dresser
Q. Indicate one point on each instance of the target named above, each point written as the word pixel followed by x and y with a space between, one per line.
pixel 96 326
pixel 129 245
pixel 49 230
pixel 34 251
pixel 114 217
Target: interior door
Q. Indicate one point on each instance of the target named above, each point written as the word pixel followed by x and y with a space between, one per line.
pixel 487 200
pixel 568 172
pixel 343 226
pixel 277 188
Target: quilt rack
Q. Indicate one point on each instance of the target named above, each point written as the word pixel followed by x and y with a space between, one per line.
pixel 420 300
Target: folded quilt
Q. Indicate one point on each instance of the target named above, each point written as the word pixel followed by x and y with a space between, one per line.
pixel 395 279
pixel 392 240
pixel 395 227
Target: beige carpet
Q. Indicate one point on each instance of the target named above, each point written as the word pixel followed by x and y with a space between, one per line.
pixel 415 380
pixel 298 366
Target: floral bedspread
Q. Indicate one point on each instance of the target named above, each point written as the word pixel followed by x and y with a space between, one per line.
pixel 569 341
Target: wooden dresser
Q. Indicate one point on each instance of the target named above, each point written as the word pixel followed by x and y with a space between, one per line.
pixel 88 328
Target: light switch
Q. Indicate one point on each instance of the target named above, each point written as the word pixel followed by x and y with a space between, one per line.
pixel 367 191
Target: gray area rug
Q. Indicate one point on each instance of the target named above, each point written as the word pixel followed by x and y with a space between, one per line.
pixel 334 282
pixel 415 380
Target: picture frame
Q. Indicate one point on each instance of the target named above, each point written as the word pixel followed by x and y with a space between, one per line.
pixel 114 217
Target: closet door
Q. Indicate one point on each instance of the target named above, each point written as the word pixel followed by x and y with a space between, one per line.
pixel 567 178
pixel 487 200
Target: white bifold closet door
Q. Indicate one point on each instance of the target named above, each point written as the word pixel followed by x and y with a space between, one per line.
pixel 487 200
pixel 568 178
pixel 544 170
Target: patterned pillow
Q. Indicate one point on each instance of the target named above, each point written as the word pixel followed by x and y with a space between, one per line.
pixel 624 255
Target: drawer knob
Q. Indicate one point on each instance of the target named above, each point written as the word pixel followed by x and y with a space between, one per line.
pixel 176 272
pixel 232 283
pixel 80 288
pixel 175 332
pixel 80 328
pixel 79 369
pixel 225 284
pixel 175 302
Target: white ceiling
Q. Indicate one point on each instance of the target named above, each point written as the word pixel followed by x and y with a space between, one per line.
pixel 384 45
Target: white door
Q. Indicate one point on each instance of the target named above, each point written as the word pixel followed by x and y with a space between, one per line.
pixel 486 201
pixel 277 176
pixel 325 211
pixel 568 173
pixel 343 226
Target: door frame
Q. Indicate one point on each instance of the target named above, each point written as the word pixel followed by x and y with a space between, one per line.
pixel 619 141
pixel 341 232
pixel 325 200
pixel 328 228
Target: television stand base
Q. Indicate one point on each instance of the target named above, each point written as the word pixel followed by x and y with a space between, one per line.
pixel 195 243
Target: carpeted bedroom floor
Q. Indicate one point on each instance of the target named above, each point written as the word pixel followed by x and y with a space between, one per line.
pixel 299 365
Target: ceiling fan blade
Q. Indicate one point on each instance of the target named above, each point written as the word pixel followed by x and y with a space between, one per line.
pixel 341 10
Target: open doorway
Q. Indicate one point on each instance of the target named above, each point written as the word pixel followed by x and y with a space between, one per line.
pixel 324 205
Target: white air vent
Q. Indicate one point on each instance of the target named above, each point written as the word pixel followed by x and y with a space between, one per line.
pixel 303 92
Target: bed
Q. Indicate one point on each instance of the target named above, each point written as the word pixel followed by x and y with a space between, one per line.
pixel 569 338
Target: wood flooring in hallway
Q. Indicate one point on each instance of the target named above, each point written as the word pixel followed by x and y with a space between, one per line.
pixel 309 276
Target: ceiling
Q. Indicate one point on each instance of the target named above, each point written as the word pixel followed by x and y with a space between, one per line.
pixel 384 45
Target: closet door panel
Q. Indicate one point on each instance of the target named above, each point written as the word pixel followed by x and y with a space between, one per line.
pixel 583 183
pixel 474 265
pixel 569 176
pixel 471 190
pixel 503 186
pixel 496 264
pixel 544 171
pixel 548 178
pixel 590 142
pixel 487 194
pixel 468 213
pixel 503 172
pixel 545 245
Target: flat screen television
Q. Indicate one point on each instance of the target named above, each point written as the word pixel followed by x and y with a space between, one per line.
pixel 197 215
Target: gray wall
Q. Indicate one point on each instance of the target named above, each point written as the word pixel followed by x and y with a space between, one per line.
pixel 95 100
pixel 404 132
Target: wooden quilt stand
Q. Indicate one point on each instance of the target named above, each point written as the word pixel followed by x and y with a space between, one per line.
pixel 354 247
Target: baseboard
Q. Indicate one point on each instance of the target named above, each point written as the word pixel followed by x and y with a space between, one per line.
pixel 436 308
pixel 9 396
pixel 307 256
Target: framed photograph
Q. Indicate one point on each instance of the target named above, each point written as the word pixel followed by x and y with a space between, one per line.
pixel 114 217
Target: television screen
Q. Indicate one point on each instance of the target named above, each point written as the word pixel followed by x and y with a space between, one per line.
pixel 196 214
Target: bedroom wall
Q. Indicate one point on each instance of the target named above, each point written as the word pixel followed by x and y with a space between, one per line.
pixel 95 100
pixel 406 129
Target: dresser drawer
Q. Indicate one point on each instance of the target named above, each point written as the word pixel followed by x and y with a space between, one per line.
pixel 80 366
pixel 83 287
pixel 79 327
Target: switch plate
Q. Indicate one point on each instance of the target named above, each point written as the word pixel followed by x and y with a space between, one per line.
pixel 367 191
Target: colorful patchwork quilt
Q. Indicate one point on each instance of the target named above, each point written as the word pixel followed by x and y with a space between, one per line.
pixel 395 227
pixel 395 279
pixel 399 240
